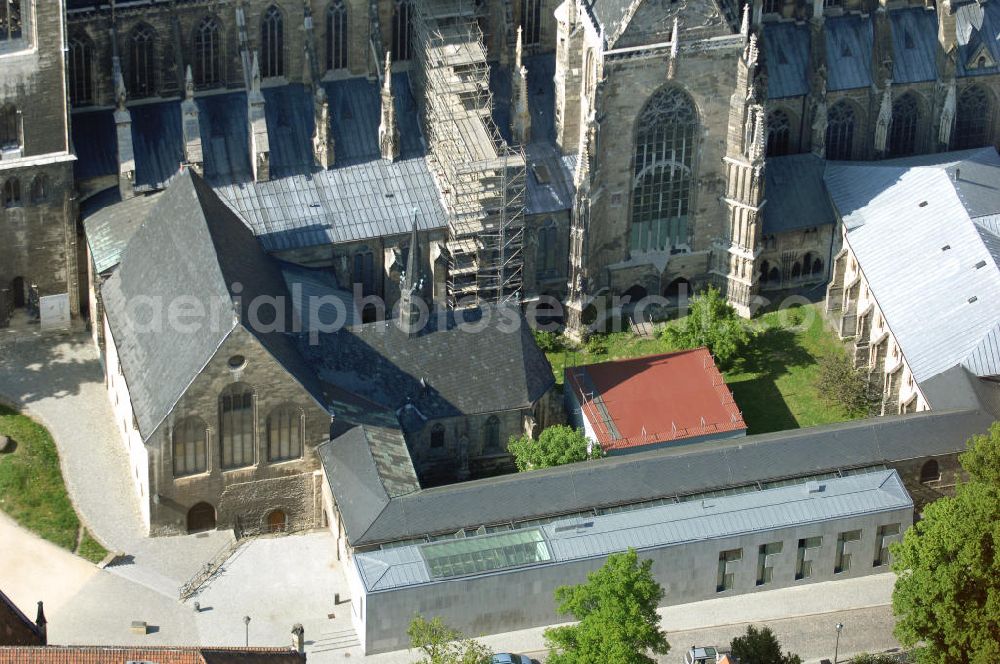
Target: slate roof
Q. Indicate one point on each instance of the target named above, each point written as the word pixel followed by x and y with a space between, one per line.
pixel 786 55
pixel 669 525
pixel 849 41
pixel 430 372
pixel 667 472
pixel 109 228
pixel 795 194
pixel 943 305
pixel 159 655
pixel 95 143
pixel 977 25
pixel 191 246
pixel 915 45
pixel 157 136
pixel 609 14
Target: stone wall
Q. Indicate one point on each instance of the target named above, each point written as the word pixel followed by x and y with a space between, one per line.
pixel 248 493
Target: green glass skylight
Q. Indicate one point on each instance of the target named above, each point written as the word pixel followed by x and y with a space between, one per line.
pixel 482 554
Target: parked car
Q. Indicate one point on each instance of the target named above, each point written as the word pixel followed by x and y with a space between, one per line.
pixel 702 655
pixel 511 658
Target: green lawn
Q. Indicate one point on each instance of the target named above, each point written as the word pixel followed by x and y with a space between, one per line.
pixel 32 490
pixel 775 383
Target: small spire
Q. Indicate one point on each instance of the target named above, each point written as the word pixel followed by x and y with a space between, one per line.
pixel 388 129
pixel 42 624
pixel 188 84
pixel 674 49
pixel 255 74
pixel 745 24
pixel 752 52
pixel 518 50
pixel 411 285
pixel 387 76
pixel 121 95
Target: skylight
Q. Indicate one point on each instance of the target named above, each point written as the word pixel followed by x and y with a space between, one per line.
pixel 484 554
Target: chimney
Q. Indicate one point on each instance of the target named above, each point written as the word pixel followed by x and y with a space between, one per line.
pixel 191 125
pixel 123 129
pixel 298 638
pixel 42 624
pixel 388 129
pixel 958 174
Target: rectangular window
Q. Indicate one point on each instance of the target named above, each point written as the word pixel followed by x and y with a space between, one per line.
pixel 727 567
pixel 886 535
pixel 765 562
pixel 843 562
pixel 803 561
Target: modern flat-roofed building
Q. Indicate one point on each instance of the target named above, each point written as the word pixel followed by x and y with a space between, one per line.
pixel 702 546
pixel 658 400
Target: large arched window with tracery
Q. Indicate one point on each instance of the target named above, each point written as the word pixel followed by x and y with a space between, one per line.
pixel 531 22
pixel 336 35
pixel 272 43
pixel 402 30
pixel 81 70
pixel 10 137
pixel 903 130
pixel 237 426
pixel 142 62
pixel 972 118
pixel 666 132
pixel 779 129
pixel 10 19
pixel 208 53
pixel 840 131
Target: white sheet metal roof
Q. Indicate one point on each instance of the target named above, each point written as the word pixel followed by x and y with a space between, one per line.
pixel 673 524
pixel 931 267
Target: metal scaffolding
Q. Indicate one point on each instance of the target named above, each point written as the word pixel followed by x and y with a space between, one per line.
pixel 481 177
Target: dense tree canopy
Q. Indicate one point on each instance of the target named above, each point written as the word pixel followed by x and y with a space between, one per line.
pixel 760 646
pixel 616 610
pixel 947 596
pixel 555 446
pixel 444 645
pixel 711 322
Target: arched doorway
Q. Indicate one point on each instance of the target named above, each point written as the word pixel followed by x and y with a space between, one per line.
pixel 277 522
pixel 930 472
pixel 635 293
pixel 201 517
pixel 679 287
pixel 17 291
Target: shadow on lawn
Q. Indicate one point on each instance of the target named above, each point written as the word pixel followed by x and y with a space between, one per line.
pixel 771 353
pixel 763 406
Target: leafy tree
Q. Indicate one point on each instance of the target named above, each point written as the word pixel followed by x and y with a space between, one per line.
pixel 846 386
pixel 947 594
pixel 549 342
pixel 874 658
pixel 711 322
pixel 557 445
pixel 616 610
pixel 760 646
pixel 443 645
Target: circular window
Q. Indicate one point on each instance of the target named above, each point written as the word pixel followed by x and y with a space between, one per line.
pixel 237 362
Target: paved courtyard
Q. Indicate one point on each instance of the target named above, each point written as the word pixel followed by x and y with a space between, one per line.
pixel 280 581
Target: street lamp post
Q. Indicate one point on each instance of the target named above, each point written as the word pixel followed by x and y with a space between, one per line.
pixel 246 623
pixel 836 647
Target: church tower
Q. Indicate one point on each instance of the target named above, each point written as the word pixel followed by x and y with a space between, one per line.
pixel 735 256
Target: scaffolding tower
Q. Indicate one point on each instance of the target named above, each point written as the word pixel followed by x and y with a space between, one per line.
pixel 481 177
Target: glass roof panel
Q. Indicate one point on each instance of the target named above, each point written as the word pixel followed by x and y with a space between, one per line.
pixel 486 553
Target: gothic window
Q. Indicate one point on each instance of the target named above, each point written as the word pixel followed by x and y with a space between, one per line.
pixel 778 133
pixel 81 70
pixel 12 193
pixel 437 436
pixel 190 451
pixel 39 188
pixel 930 472
pixel 10 19
pixel 272 43
pixel 208 53
pixel 402 30
pixel 284 434
pixel 664 162
pixel 764 268
pixel 491 434
pixel 237 426
pixel 9 135
pixel 840 131
pixel 142 62
pixel 531 22
pixel 796 270
pixel 545 260
pixel 903 130
pixel 590 73
pixel 817 266
pixel 972 118
pixel 336 35
pixel 364 272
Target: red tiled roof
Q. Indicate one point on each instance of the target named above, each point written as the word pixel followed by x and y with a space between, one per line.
pixel 165 655
pixel 654 399
pixel 16 629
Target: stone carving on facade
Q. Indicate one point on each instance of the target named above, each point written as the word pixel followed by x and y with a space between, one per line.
pixel 884 120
